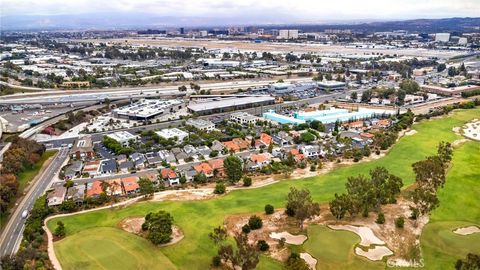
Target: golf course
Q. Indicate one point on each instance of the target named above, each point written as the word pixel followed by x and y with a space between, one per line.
pixel 95 241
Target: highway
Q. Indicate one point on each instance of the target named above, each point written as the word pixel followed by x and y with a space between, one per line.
pixel 82 95
pixel 13 232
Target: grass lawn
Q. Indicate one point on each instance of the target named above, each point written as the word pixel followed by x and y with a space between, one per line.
pixel 198 218
pixel 30 173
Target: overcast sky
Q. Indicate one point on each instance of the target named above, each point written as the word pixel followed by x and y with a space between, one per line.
pixel 289 10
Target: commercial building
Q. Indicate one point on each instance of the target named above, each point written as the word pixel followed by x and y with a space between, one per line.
pixel 451 91
pixel 218 105
pixel 288 34
pixel 123 137
pixel 146 109
pixel 442 37
pixel 201 124
pixel 171 133
pixel 83 148
pixel 243 118
pixel 331 85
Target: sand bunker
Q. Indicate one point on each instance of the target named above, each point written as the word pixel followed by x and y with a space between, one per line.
pixel 410 132
pixel 375 254
pixel 289 238
pixel 472 130
pixel 311 261
pixel 365 233
pixel 467 230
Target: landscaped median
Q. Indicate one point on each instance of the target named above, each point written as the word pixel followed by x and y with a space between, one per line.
pixel 80 248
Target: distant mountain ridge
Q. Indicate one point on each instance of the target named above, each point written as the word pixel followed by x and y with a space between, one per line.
pixel 126 21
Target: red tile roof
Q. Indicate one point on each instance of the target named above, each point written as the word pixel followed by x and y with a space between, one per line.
pixel 168 173
pixel 203 168
pixel 95 189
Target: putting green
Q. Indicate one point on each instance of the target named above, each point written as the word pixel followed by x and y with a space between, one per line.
pixel 335 249
pixel 111 248
pixel 198 218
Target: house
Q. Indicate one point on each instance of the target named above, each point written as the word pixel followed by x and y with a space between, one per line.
pixel 108 166
pixel 153 158
pixel 114 187
pixel 217 167
pixel 190 174
pixel 204 150
pixel 190 150
pixel 354 125
pixel 130 185
pixel 217 146
pixel 297 155
pixel 282 138
pixel 76 194
pixel 121 158
pixel 382 123
pixel 258 161
pixel 82 149
pixel 138 160
pixel 204 168
pixel 167 156
pixel 91 168
pixel 73 170
pixel 265 139
pixel 57 196
pixel 311 151
pixel 94 189
pixel 367 136
pixel 125 166
pixel 170 176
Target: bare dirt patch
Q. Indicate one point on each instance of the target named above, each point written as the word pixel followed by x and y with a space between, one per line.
pixel 467 230
pixel 411 132
pixel 184 195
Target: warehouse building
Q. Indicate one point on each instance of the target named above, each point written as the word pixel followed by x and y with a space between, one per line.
pixel 219 105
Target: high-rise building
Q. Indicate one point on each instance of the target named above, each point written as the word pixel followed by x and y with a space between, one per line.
pixel 288 34
pixel 182 31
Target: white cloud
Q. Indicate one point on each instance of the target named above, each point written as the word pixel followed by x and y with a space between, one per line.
pixel 300 10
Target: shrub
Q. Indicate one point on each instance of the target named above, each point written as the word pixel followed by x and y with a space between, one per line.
pixel 216 261
pixel 246 229
pixel 60 230
pixel 269 209
pixel 399 222
pixel 247 181
pixel 219 188
pixel 255 222
pixel 262 245
pixel 313 168
pixel 380 218
pixel 415 213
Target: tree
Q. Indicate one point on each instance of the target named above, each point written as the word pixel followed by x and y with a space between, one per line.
pixel 255 222
pixel 445 152
pixel 158 226
pixel 339 206
pixel 354 96
pixel 68 184
pixel 200 178
pixel 366 96
pixel 441 67
pixel 430 173
pixel 270 148
pixel 301 206
pixel 219 188
pixel 399 222
pixel 409 86
pixel 294 262
pixel 68 206
pixel 233 168
pixel 218 235
pixel 60 229
pixel 269 209
pixel 182 88
pixel 262 245
pixel 380 218
pixel 146 187
pixel 245 256
pixel 307 137
pixel 317 125
pixel 472 262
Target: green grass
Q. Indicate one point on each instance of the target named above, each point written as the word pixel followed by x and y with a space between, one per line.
pixel 198 218
pixel 335 249
pixel 113 247
pixel 27 175
pixel 459 207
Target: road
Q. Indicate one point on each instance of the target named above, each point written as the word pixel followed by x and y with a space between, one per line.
pixel 12 234
pixel 71 96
